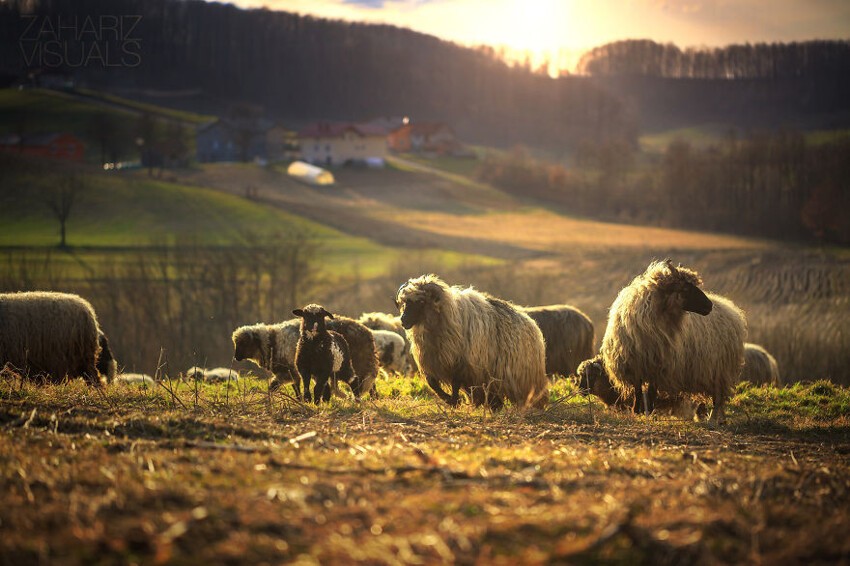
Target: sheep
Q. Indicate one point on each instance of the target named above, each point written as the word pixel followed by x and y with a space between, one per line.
pixel 135 379
pixel 760 368
pixel 652 336
pixel 568 334
pixel 322 354
pixel 391 323
pixel 215 375
pixel 591 378
pixel 273 347
pixel 49 335
pixel 471 340
pixel 391 351
pixel 106 364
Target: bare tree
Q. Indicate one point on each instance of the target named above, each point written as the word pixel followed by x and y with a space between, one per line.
pixel 61 201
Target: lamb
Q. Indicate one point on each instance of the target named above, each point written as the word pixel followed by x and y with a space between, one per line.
pixel 215 375
pixel 135 379
pixel 391 351
pixel 568 334
pixel 106 364
pixel 322 354
pixel 591 378
pixel 273 347
pixel 760 368
pixel 49 335
pixel 473 341
pixel 383 321
pixel 653 337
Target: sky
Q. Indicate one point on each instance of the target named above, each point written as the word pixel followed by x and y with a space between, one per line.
pixel 561 30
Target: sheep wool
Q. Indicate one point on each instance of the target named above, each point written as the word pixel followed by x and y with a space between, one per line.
pixel 664 330
pixel 760 368
pixel 568 334
pixel 49 335
pixel 471 340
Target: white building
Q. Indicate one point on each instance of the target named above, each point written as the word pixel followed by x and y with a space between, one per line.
pixel 335 143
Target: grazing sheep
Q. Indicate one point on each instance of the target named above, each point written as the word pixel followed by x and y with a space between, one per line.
pixel 391 351
pixel 391 323
pixel 760 368
pixel 273 347
pixel 322 354
pixel 106 364
pixel 49 335
pixel 652 336
pixel 135 379
pixel 592 379
pixel 568 334
pixel 474 341
pixel 215 375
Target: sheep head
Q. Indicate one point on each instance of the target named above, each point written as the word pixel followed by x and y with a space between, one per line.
pixel 417 297
pixel 312 319
pixel 246 344
pixel 679 288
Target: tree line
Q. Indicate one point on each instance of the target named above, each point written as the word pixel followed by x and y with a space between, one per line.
pixel 774 185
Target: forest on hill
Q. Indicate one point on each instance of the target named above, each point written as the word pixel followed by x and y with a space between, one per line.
pixel 300 68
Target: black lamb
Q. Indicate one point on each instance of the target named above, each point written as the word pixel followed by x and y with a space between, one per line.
pixel 321 354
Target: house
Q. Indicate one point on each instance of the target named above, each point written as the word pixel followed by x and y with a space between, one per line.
pixel 340 143
pixel 281 144
pixel 231 140
pixel 52 145
pixel 424 137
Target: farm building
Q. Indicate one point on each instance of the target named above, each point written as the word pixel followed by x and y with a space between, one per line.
pixel 231 140
pixel 340 143
pixel 281 144
pixel 424 137
pixel 310 174
pixel 53 145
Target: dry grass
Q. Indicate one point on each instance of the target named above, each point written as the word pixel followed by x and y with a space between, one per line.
pixel 230 476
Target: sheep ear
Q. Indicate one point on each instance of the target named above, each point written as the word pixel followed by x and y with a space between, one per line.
pixel 327 314
pixel 298 312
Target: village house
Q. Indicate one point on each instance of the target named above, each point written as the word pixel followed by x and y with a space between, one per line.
pixel 231 140
pixel 341 143
pixel 53 145
pixel 424 137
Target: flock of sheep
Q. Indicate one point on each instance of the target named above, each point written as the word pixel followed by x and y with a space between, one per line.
pixel 666 344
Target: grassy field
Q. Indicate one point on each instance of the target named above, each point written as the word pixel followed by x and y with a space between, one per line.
pixel 230 475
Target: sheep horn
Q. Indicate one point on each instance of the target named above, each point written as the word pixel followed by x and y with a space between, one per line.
pixel 398 292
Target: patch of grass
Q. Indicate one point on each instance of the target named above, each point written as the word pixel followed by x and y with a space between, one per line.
pixel 170 113
pixel 226 473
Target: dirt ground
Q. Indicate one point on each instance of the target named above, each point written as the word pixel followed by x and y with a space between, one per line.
pixel 227 478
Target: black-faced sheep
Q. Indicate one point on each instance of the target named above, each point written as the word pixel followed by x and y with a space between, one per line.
pixel 471 340
pixel 49 335
pixel 273 347
pixel 390 323
pixel 391 351
pixel 322 354
pixel 106 364
pixel 665 331
pixel 760 368
pixel 592 379
pixel 568 334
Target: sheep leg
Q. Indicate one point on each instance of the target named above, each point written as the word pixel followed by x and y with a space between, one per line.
pixel 304 372
pixel 717 416
pixel 321 392
pixel 637 406
pixel 495 402
pixel 438 389
pixel 652 398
